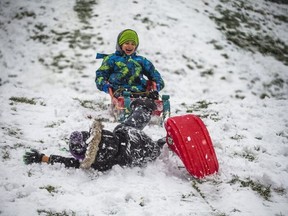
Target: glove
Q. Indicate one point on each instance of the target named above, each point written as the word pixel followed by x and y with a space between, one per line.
pixel 153 95
pixel 106 87
pixel 32 157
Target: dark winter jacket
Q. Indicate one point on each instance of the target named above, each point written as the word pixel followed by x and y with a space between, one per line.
pixel 127 72
pixel 127 145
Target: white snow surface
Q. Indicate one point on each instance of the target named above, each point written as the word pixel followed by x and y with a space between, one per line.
pixel 250 134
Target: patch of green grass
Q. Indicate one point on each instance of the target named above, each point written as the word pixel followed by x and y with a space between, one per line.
pixel 275 88
pixel 216 45
pixel 280 214
pixel 60 62
pixel 276 82
pixel 51 189
pixel 150 23
pixel 264 95
pixel 211 115
pixel 29 173
pixel 146 21
pixel 40 27
pixel 142 202
pixel 5 149
pixel 91 104
pixel 237 137
pixel 206 73
pixel 235 23
pixel 18 145
pixel 184 197
pixel 84 9
pixel 249 155
pixel 225 56
pixel 200 107
pixel 15 146
pixel 281 18
pixel 190 66
pixel 279 1
pixel 263 190
pixel 241 97
pixel 54 124
pixel 219 214
pixel 60 33
pixel 53 213
pixel 280 190
pixel 282 134
pixel 24 14
pixel 80 39
pixel 5 154
pixel 197 64
pixel 195 186
pixel 13 132
pixel 40 38
pixel 23 100
pixel 59 36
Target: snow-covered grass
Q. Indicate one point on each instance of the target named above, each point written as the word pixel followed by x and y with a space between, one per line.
pixel 225 61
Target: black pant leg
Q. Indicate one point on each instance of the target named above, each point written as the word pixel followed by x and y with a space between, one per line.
pixel 138 118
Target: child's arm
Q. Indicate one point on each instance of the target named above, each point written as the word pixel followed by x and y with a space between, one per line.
pixel 102 75
pixel 153 74
pixel 35 157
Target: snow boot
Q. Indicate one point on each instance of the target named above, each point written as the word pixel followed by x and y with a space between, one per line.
pixel 146 103
pixel 140 114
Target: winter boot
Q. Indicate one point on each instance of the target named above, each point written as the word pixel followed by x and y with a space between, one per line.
pixel 140 114
pixel 145 103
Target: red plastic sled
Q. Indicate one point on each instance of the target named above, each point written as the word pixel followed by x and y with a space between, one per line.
pixel 188 137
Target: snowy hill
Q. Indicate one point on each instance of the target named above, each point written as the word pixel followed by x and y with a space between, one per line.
pixel 225 61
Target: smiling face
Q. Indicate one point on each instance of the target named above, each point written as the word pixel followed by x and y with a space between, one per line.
pixel 128 47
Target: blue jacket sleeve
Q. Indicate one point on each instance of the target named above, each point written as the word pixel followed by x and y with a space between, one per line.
pixel 153 74
pixel 103 74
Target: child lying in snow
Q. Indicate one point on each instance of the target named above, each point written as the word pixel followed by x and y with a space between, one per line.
pixel 125 71
pixel 101 149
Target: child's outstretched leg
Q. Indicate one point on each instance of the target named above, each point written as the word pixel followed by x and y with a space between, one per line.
pixel 140 114
pixel 137 148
